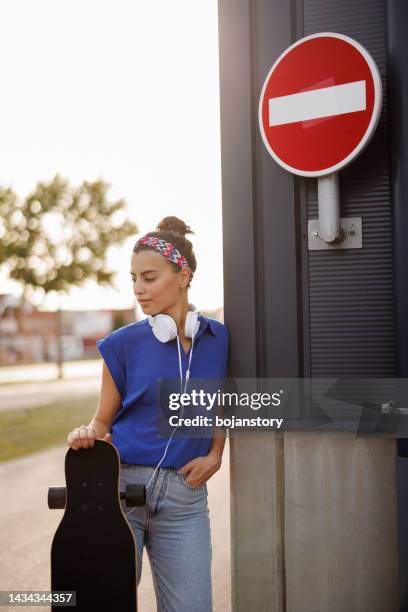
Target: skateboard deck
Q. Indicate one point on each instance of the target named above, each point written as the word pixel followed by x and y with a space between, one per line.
pixel 94 550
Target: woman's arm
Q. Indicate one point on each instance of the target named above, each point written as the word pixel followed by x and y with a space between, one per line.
pixel 218 441
pixel 200 469
pixel 108 405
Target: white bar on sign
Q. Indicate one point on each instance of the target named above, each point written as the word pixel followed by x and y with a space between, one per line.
pixel 325 102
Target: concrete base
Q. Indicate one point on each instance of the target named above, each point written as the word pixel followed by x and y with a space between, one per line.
pixel 331 498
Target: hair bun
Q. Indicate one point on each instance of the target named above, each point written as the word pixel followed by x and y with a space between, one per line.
pixel 174 224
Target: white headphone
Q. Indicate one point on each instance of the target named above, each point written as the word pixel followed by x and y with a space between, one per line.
pixel 165 329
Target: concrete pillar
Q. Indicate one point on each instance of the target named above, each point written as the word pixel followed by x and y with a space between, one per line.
pixel 341 549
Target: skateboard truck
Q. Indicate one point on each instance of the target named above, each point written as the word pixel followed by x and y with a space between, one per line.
pixel 135 495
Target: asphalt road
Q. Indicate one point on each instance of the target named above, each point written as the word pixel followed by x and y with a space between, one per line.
pixel 37 384
pixel 30 395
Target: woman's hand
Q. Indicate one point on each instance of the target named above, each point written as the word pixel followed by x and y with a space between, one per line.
pixel 85 436
pixel 200 469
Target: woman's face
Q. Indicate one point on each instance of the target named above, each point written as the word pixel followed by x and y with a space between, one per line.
pixel 155 284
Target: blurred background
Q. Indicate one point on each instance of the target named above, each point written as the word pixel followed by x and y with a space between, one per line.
pixel 109 122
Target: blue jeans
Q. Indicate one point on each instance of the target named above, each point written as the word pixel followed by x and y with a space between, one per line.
pixel 174 525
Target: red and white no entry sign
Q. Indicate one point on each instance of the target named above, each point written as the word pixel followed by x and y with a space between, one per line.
pixel 320 104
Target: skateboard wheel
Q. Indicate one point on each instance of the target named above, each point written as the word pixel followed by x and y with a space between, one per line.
pixel 135 495
pixel 57 497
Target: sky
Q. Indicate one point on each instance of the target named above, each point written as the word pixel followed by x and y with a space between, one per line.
pixel 126 90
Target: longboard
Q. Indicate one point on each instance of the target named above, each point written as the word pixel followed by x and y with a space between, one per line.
pixel 94 551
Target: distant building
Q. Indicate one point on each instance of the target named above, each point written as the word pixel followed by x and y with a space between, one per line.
pixel 28 335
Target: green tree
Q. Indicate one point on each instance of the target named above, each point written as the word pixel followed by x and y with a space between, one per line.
pixel 57 237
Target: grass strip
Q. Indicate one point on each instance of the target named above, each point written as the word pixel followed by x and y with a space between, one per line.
pixel 27 430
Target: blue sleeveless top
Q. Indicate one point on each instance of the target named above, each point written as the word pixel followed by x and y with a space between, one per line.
pixel 136 359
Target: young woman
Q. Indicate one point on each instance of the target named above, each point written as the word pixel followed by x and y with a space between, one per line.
pixel 174 524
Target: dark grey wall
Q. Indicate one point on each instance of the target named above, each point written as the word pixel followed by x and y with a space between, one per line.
pixel 261 293
pixel 261 254
pixel 351 293
pixel 397 78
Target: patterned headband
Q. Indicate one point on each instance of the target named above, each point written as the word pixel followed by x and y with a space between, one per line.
pixel 167 250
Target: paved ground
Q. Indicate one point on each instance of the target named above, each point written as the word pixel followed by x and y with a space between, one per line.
pixel 49 371
pixel 38 385
pixel 27 527
pixel 30 395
